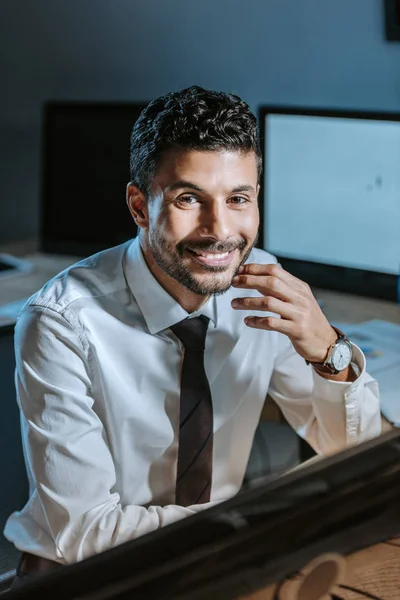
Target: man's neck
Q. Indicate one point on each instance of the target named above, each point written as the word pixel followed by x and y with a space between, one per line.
pixel 187 299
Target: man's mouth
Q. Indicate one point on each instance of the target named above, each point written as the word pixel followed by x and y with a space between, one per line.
pixel 212 259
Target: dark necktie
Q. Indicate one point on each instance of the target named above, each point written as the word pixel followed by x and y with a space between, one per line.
pixel 193 482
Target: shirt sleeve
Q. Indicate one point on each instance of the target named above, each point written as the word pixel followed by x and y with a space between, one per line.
pixel 329 414
pixel 66 444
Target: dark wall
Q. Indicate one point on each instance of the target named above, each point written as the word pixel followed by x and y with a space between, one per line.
pixel 308 52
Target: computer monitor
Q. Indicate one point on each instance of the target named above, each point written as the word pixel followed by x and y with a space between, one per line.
pixel 85 170
pixel 330 197
pixel 266 533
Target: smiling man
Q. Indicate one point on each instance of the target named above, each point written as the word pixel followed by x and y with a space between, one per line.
pixel 201 223
pixel 143 370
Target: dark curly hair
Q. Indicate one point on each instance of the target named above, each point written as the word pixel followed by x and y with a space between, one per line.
pixel 194 119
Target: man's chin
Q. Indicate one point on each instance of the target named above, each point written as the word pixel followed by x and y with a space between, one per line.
pixel 213 283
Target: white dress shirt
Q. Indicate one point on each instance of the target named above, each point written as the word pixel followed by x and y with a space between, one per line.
pixel 98 384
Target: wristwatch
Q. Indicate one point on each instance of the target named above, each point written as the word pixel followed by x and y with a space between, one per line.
pixel 338 358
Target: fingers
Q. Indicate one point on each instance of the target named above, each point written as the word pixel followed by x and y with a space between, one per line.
pixel 253 276
pixel 297 312
pixel 267 285
pixel 270 323
pixel 267 303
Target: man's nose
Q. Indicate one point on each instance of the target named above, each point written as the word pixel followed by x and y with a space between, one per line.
pixel 216 222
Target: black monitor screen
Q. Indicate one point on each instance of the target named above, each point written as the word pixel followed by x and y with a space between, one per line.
pixel 85 167
pixel 264 535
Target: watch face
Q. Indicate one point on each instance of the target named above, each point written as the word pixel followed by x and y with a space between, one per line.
pixel 341 356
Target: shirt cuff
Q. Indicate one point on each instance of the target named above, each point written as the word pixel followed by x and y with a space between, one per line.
pixel 338 391
pixel 354 402
pixel 358 363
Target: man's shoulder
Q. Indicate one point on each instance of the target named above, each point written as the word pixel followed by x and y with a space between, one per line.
pixel 259 256
pixel 93 277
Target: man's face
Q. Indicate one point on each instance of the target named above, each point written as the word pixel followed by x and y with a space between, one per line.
pixel 203 217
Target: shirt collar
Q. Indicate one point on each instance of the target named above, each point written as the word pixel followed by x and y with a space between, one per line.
pixel 159 309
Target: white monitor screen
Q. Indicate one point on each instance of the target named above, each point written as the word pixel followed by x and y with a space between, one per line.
pixel 332 190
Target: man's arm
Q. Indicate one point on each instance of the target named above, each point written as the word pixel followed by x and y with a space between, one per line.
pixel 330 411
pixel 66 444
pixel 330 415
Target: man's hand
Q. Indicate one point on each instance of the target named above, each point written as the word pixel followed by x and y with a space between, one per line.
pixel 301 319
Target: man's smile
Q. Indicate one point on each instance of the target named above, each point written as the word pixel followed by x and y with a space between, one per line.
pixel 212 259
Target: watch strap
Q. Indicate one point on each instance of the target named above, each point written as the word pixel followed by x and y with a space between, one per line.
pixel 326 367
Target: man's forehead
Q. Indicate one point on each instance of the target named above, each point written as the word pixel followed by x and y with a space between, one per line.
pixel 213 166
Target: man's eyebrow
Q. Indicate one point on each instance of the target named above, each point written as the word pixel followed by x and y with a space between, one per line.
pixel 178 185
pixel 243 188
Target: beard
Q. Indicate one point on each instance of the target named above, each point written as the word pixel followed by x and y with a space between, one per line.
pixel 215 280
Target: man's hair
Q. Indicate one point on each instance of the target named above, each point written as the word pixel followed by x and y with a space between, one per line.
pixel 192 119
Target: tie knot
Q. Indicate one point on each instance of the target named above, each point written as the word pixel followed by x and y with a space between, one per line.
pixel 192 332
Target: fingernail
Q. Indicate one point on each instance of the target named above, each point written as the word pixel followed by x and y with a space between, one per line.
pixel 235 280
pixel 235 303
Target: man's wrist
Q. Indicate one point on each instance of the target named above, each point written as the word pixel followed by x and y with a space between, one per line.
pixel 337 363
pixel 323 354
pixel 347 375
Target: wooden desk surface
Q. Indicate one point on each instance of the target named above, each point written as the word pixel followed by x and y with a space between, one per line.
pixel 17 286
pixel 356 309
pixel 373 572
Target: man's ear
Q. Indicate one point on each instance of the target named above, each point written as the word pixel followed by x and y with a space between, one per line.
pixel 137 205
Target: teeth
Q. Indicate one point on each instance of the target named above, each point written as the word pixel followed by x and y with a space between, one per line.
pixel 216 256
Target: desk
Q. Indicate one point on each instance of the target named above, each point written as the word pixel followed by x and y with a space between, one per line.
pixel 347 308
pixel 374 571
pixel 45 266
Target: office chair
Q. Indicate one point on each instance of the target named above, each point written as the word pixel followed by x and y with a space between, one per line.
pixel 13 479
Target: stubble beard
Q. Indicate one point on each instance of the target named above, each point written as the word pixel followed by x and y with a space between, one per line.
pixel 170 259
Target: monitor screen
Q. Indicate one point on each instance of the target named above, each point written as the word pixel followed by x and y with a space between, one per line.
pixel 85 170
pixel 331 196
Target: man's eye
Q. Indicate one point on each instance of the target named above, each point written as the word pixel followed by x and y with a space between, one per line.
pixel 239 200
pixel 187 200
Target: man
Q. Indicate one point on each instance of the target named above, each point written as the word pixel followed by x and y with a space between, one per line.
pixel 125 427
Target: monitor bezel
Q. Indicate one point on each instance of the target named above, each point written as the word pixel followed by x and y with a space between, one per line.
pixel 360 282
